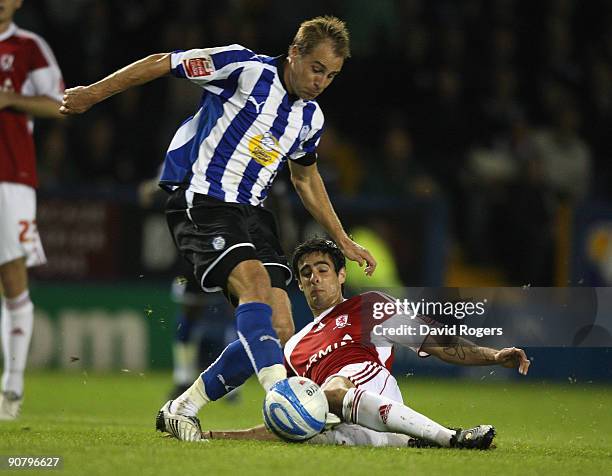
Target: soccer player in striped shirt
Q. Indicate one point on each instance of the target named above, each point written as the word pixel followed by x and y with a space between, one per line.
pixel 31 86
pixel 257 113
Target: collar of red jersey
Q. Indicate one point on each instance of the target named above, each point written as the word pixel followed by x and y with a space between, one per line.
pixel 8 33
pixel 317 319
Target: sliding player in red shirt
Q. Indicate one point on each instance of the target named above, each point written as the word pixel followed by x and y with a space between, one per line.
pixel 345 352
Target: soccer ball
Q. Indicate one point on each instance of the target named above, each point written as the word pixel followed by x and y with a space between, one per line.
pixel 295 409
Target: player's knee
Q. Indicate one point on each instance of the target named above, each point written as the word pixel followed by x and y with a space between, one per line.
pixel 14 278
pixel 249 282
pixel 335 397
pixel 335 390
pixel 258 292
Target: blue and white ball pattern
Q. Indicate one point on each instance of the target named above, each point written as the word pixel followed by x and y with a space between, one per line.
pixel 295 409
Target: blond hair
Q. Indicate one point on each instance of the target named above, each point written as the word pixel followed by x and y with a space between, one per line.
pixel 314 31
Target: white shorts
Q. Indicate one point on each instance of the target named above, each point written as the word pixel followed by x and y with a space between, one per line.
pixel 372 377
pixel 18 232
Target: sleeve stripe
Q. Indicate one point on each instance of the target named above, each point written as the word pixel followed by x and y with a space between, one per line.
pixel 179 71
pixel 311 144
pixel 223 58
pixel 210 63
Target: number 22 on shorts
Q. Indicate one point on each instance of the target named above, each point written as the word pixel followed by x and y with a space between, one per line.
pixel 24 227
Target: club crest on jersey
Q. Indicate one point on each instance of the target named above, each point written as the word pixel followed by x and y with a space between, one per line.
pixel 342 321
pixel 264 149
pixel 198 67
pixel 218 243
pixel 6 62
pixel 304 132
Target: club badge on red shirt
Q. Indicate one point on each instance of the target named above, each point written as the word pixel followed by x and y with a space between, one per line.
pixel 342 321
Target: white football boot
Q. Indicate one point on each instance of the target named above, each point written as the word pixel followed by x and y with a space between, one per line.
pixel 10 405
pixel 181 427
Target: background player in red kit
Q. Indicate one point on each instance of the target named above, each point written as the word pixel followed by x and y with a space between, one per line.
pixel 30 86
pixel 337 351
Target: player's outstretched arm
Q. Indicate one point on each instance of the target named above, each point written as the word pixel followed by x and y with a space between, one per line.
pixel 79 99
pixel 37 106
pixel 259 433
pixel 512 357
pixel 311 190
pixel 461 351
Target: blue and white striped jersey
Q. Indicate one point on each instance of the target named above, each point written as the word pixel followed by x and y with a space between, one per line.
pixel 246 128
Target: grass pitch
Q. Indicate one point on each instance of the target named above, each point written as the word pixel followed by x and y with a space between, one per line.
pixel 103 424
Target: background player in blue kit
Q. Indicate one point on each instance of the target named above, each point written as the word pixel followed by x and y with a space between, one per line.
pixel 256 113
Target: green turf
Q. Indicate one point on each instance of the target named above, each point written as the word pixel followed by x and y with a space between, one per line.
pixel 103 424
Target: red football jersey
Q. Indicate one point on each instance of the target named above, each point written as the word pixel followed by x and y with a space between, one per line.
pixel 27 67
pixel 341 336
pixel 346 334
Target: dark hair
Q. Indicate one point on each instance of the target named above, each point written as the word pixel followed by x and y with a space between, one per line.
pixel 314 31
pixel 318 245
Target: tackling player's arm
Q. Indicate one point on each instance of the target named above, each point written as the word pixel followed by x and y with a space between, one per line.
pixel 311 190
pixel 463 352
pixel 80 99
pixel 256 433
pixel 37 106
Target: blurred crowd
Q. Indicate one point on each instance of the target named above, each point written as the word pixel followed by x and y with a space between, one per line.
pixel 503 108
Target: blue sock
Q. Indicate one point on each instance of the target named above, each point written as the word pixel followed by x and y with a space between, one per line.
pixel 184 328
pixel 184 351
pixel 255 331
pixel 231 369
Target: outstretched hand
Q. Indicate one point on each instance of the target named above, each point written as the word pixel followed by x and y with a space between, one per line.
pixel 77 100
pixel 512 357
pixel 358 253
